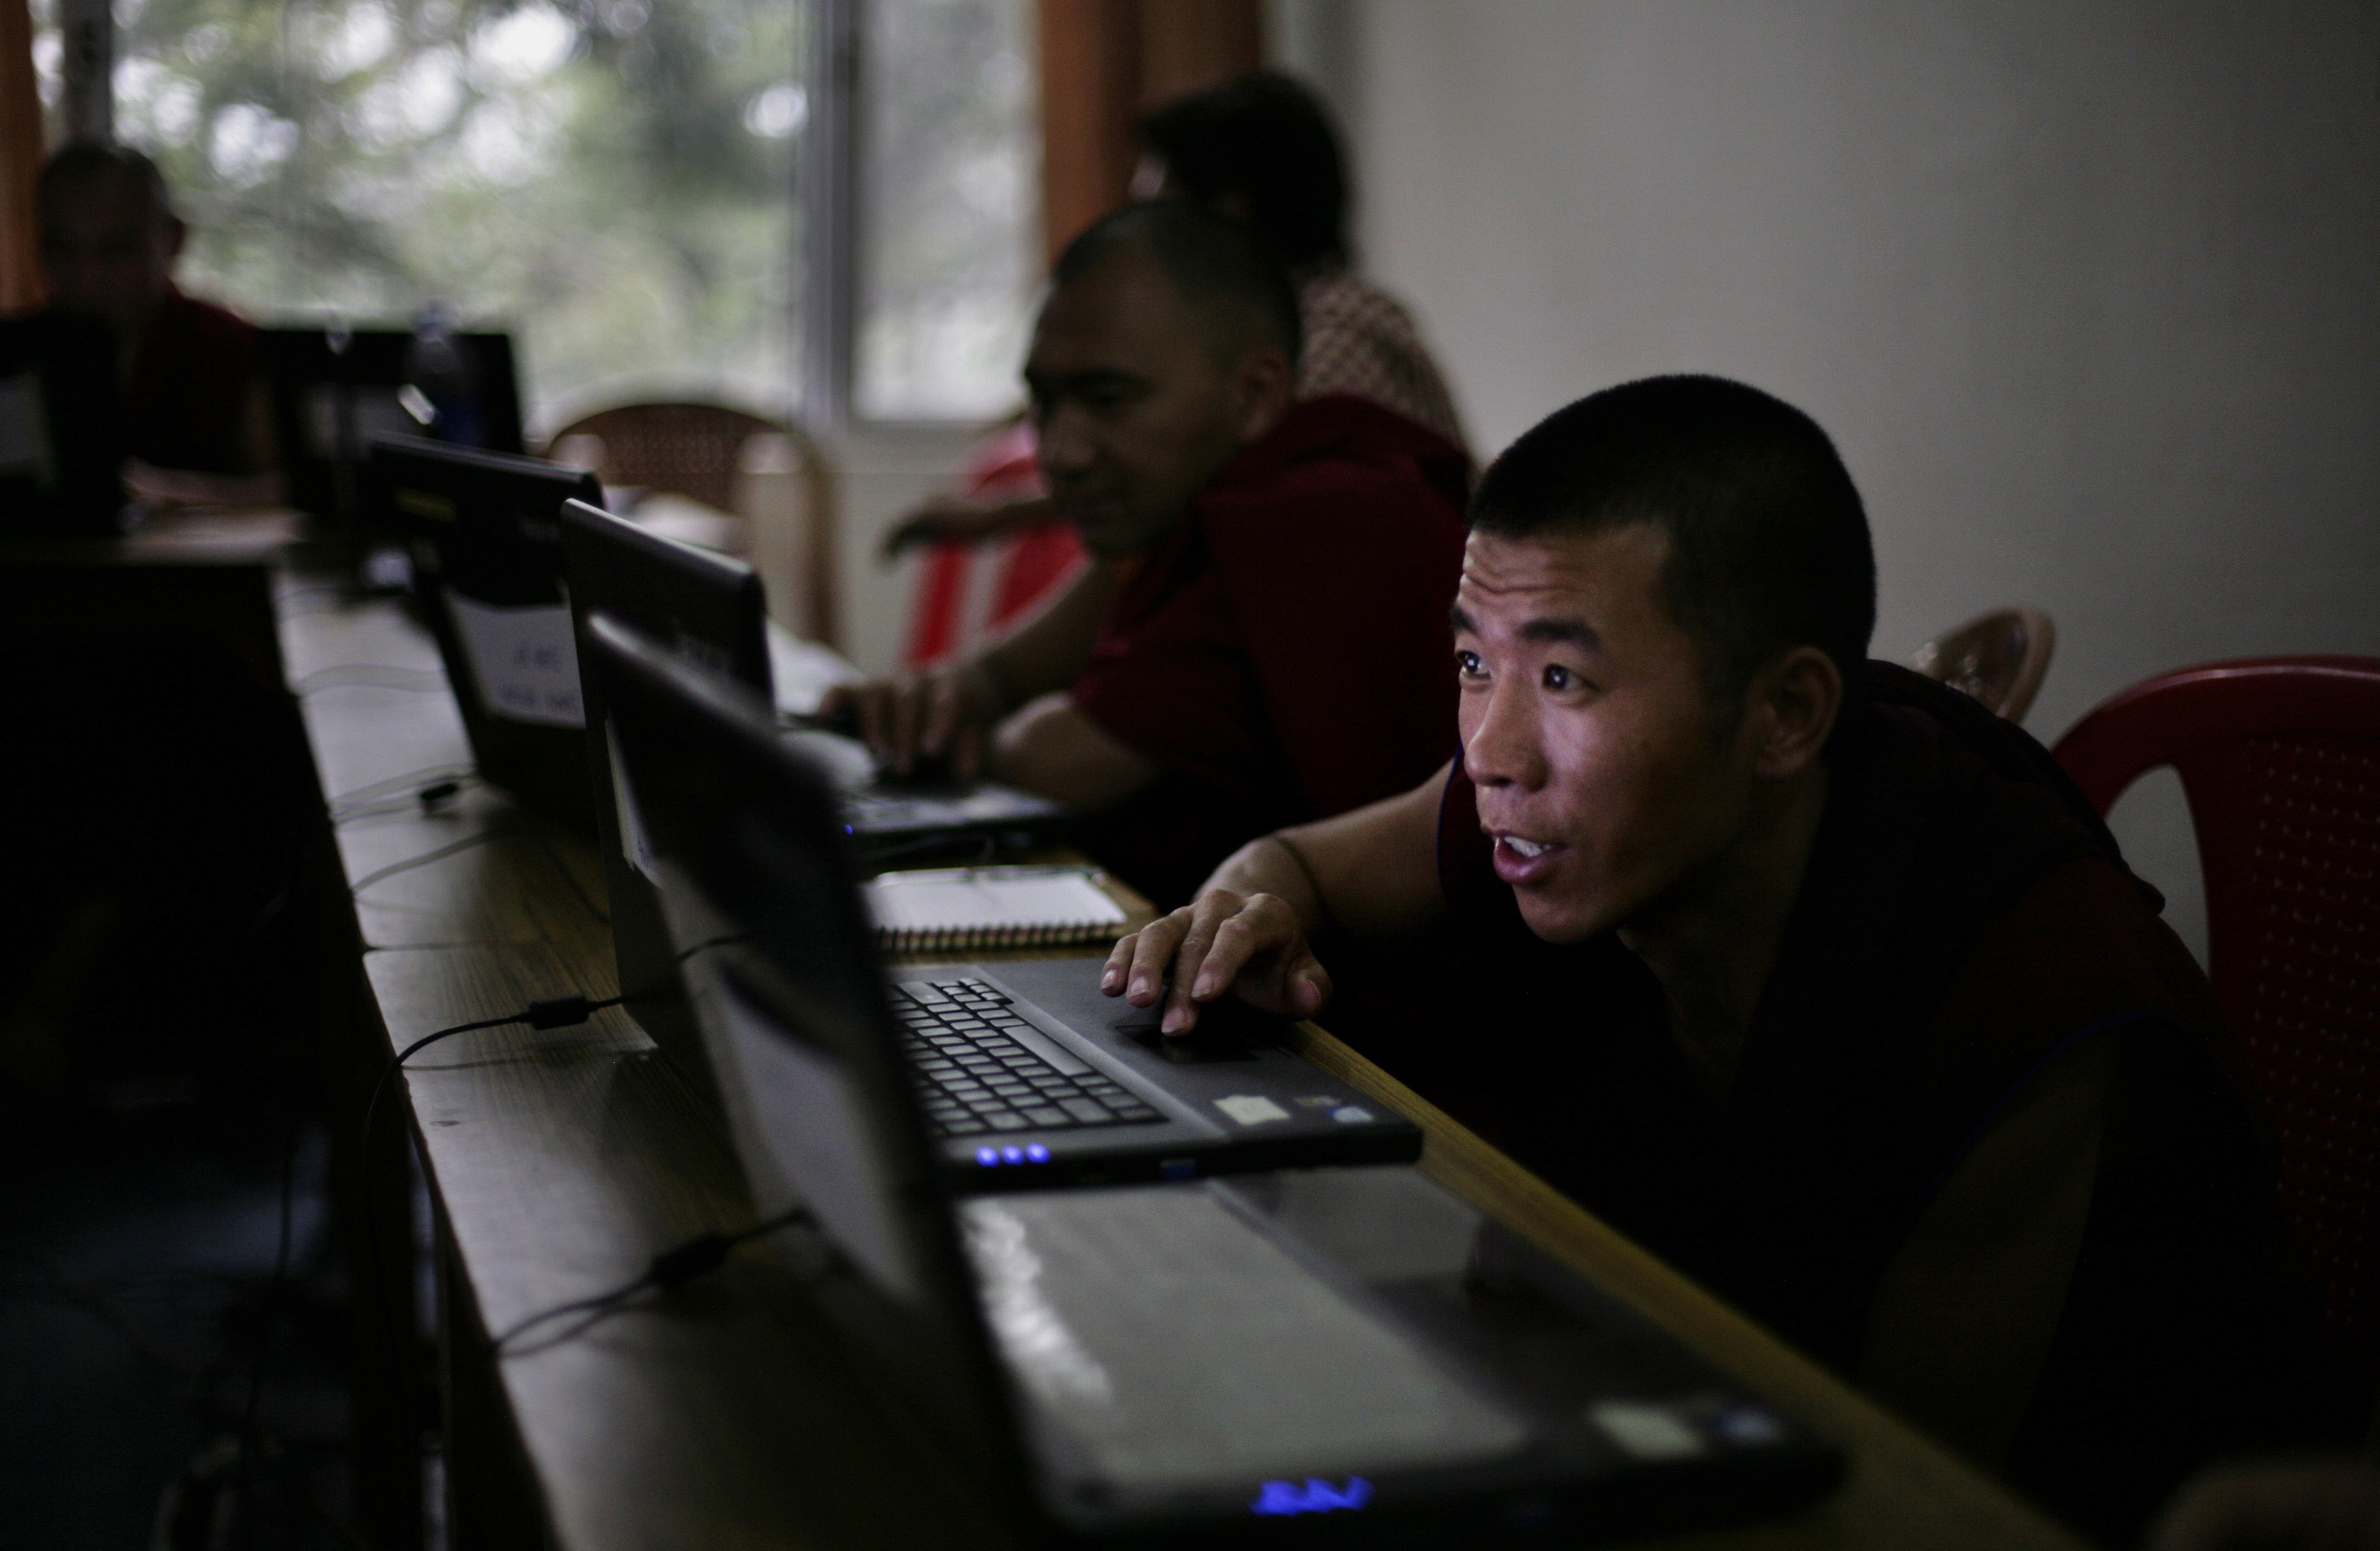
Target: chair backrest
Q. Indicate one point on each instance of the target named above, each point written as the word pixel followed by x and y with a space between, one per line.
pixel 1999 659
pixel 700 451
pixel 2281 761
pixel 970 591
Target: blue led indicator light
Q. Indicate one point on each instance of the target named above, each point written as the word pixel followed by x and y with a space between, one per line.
pixel 1012 1153
pixel 1282 1499
pixel 1037 1153
pixel 987 1156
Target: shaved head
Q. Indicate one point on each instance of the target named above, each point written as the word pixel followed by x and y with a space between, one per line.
pixel 1220 271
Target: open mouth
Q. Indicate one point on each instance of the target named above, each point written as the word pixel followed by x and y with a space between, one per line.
pixel 1521 860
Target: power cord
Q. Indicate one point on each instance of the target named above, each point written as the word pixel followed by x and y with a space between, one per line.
pixel 666 1272
pixel 545 1013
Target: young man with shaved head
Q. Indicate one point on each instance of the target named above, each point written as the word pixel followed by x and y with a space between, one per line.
pixel 1262 638
pixel 1809 974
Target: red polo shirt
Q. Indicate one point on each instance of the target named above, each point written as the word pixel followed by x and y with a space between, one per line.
pixel 1282 655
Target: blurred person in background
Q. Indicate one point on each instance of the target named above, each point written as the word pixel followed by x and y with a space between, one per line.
pixel 1260 150
pixel 197 430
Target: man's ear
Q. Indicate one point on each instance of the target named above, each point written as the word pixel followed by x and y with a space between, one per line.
pixel 1264 385
pixel 1794 702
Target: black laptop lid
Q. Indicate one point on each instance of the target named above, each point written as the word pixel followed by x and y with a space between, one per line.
pixel 332 391
pixel 761 894
pixel 61 427
pixel 483 531
pixel 706 608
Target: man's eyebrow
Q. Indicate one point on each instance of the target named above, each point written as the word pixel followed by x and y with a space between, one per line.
pixel 1564 631
pixel 1051 382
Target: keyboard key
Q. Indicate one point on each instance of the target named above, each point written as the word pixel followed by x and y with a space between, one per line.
pixel 1046 1115
pixel 1086 1111
pixel 963 1128
pixel 1007 1122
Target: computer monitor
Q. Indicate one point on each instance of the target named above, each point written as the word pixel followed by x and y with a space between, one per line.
pixel 333 390
pixel 483 531
pixel 61 427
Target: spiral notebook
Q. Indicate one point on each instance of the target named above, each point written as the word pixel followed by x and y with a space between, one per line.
pixel 943 909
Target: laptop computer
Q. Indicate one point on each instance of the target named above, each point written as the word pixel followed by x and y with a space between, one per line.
pixel 1027 1074
pixel 332 391
pixel 61 428
pixel 1326 1352
pixel 710 609
pixel 483 531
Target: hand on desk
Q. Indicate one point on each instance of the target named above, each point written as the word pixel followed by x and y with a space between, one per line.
pixel 1251 945
pixel 943 717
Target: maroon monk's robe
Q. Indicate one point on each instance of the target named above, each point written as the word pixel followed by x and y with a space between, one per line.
pixel 186 405
pixel 1281 656
pixel 1965 918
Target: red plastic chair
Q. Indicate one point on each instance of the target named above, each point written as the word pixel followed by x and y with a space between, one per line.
pixel 2280 760
pixel 968 592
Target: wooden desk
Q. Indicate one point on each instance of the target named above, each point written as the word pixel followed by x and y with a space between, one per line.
pixel 727 1414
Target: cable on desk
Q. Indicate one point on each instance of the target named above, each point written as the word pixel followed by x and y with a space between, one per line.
pixel 545 1013
pixel 666 1272
pixel 379 790
pixel 370 675
pixel 368 879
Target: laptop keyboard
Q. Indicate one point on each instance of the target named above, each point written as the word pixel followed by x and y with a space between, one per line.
pixel 980 1075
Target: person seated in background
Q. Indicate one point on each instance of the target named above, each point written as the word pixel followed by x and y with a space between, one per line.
pixel 1198 692
pixel 197 427
pixel 1261 151
pixel 1810 974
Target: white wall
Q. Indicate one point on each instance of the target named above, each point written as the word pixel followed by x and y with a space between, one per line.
pixel 2088 295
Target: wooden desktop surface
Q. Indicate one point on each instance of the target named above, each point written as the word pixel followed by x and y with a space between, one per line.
pixel 727 1414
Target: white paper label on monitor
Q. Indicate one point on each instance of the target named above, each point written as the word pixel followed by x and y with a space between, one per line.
pixel 526 659
pixel 24 430
pixel 815 1126
pixel 634 843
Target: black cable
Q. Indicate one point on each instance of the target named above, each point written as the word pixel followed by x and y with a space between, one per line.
pixel 482 838
pixel 379 789
pixel 545 1013
pixel 666 1272
pixel 370 675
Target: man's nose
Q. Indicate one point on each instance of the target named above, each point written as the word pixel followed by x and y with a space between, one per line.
pixel 1503 748
pixel 1065 443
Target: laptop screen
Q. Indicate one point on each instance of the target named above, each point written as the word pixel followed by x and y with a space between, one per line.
pixel 61 430
pixel 482 529
pixel 334 391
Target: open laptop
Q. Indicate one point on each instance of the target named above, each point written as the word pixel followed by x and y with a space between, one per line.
pixel 332 391
pixel 709 608
pixel 61 428
pixel 1026 1073
pixel 1324 1352
pixel 483 533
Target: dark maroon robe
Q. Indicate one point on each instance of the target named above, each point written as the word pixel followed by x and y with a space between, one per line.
pixel 186 405
pixel 1281 656
pixel 1965 919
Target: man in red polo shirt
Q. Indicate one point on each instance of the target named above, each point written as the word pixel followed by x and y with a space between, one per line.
pixel 196 426
pixel 1201 689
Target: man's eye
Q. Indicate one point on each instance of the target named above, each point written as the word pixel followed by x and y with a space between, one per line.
pixel 1468 665
pixel 1560 678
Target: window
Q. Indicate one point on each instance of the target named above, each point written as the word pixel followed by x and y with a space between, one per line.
pixel 615 181
pixel 949 214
